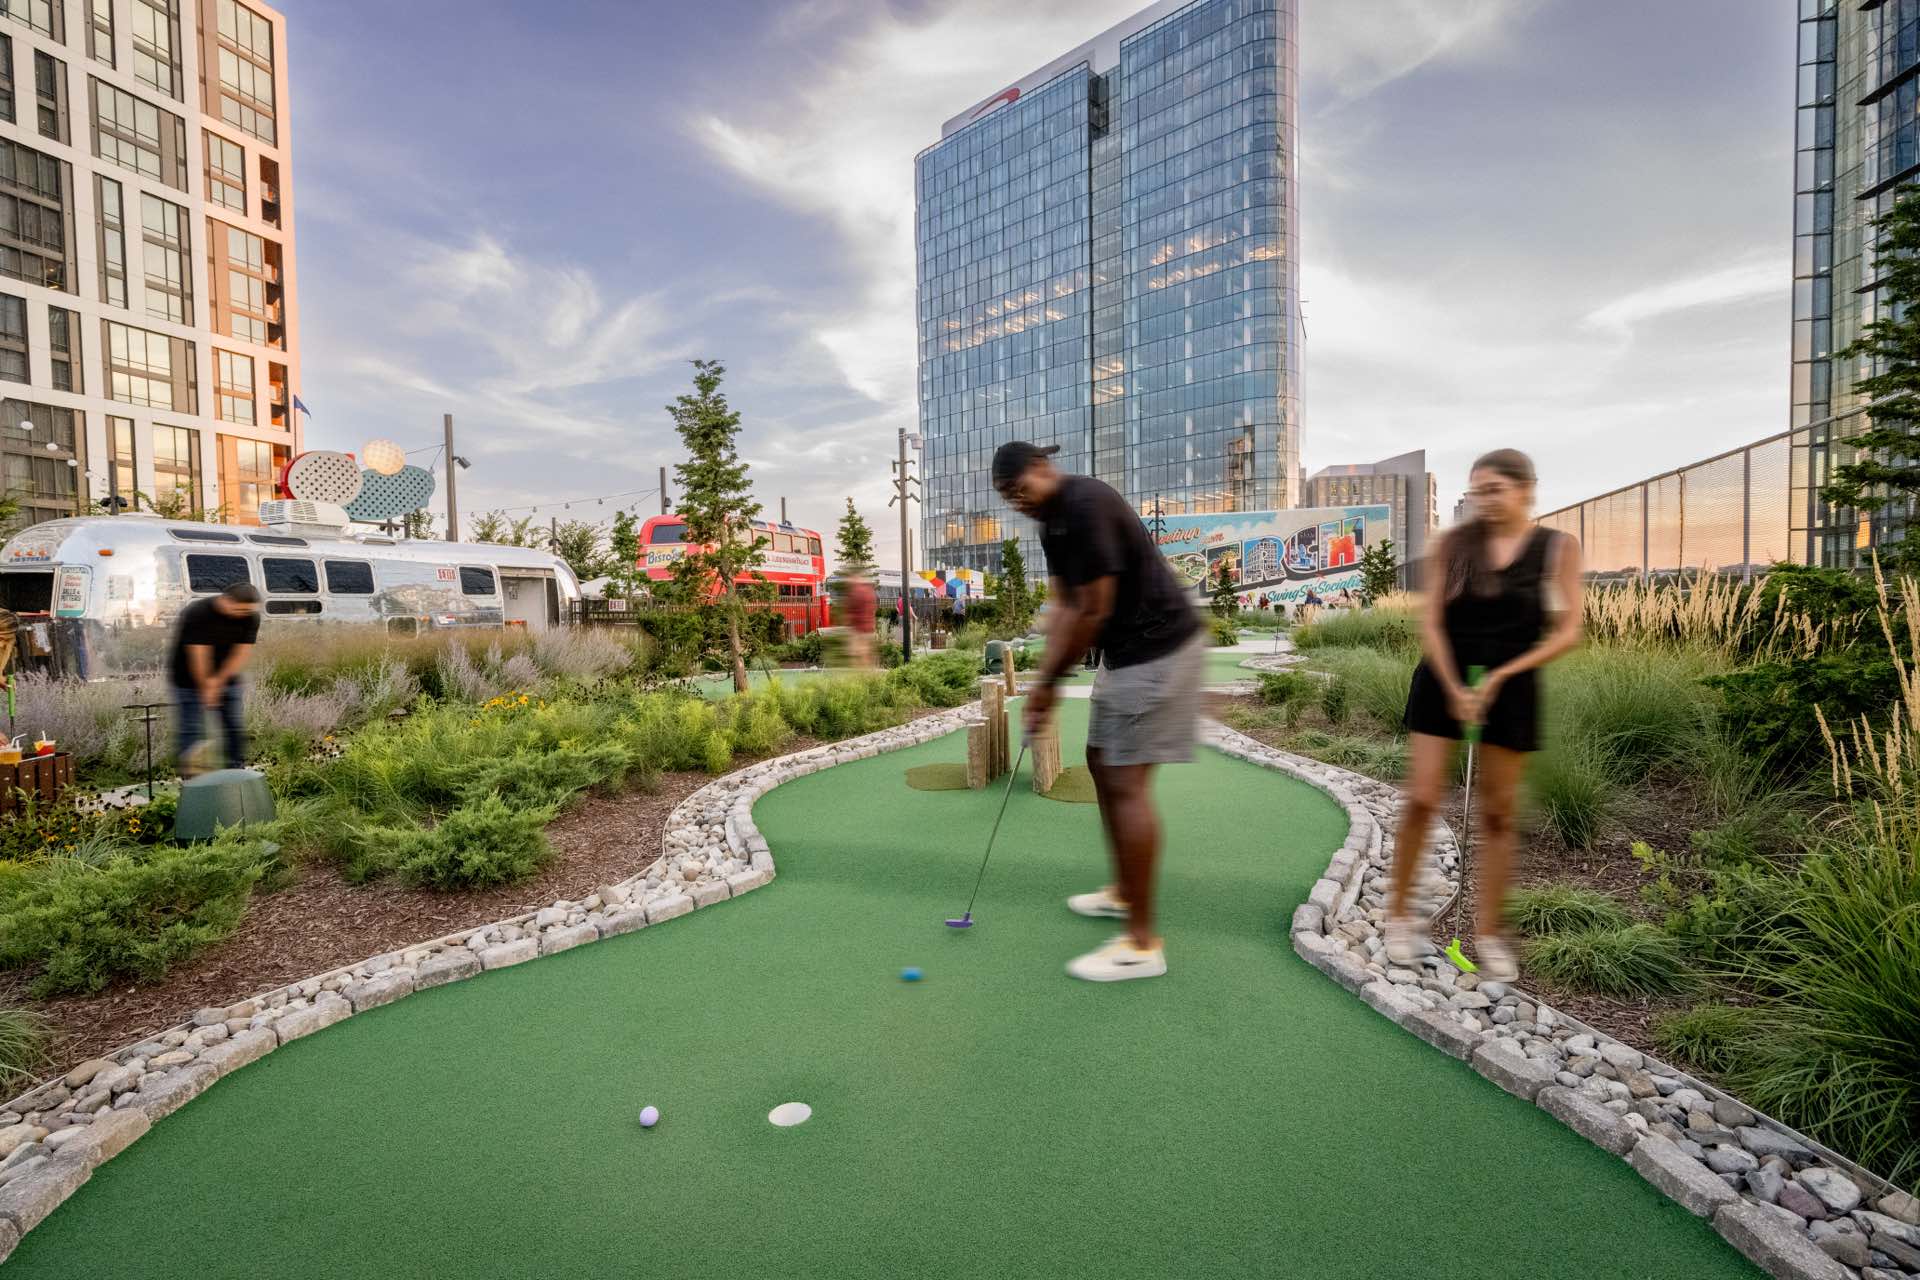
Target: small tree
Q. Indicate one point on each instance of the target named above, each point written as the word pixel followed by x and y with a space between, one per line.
pixel 716 502
pixel 417 524
pixel 624 573
pixel 1226 602
pixel 1015 603
pixel 1887 466
pixel 1379 572
pixel 578 543
pixel 855 543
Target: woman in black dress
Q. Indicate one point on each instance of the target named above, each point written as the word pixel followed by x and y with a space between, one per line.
pixel 1503 595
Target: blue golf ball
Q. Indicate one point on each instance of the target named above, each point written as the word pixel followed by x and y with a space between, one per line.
pixel 909 975
pixel 649 1116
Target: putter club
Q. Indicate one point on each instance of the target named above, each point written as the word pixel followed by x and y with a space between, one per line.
pixel 1455 952
pixel 966 921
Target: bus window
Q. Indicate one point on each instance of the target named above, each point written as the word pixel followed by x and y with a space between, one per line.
pixel 667 533
pixel 350 577
pixel 208 574
pixel 476 582
pixel 293 606
pixel 783 542
pixel 289 577
pixel 813 546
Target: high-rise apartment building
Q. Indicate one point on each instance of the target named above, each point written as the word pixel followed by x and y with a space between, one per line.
pixel 1404 484
pixel 1108 260
pixel 1857 144
pixel 147 322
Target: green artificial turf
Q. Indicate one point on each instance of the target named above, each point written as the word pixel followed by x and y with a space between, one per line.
pixel 1242 1116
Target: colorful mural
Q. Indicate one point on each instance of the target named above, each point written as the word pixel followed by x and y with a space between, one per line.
pixel 1272 558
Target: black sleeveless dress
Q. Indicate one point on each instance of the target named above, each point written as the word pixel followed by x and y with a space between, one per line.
pixel 1492 618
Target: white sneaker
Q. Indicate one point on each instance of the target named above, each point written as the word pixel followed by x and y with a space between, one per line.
pixel 1100 904
pixel 1407 941
pixel 1117 961
pixel 1494 959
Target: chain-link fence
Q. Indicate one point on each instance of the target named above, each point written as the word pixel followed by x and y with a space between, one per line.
pixel 1727 514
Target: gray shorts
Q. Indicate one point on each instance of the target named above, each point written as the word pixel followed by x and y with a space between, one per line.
pixel 1149 713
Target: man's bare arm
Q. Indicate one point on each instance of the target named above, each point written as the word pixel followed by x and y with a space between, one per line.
pixel 1084 610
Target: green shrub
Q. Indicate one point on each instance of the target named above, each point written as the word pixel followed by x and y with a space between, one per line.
pixel 133 917
pixel 23 1047
pixel 484 843
pixel 1336 699
pixel 1222 631
pixel 1562 908
pixel 549 776
pixel 1705 1036
pixel 944 679
pixel 1377 682
pixel 1635 960
pixel 1385 760
pixel 1389 630
pixel 1572 791
pixel 1278 688
pixel 890 653
pixel 809 649
pixel 1635 708
pixel 970 636
pixel 1770 706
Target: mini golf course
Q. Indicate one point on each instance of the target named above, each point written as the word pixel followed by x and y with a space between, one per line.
pixel 1241 1116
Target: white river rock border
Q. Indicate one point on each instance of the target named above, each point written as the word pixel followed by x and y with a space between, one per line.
pixel 53 1136
pixel 1793 1207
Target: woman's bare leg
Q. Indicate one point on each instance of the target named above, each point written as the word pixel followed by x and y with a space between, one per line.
pixel 1496 790
pixel 1427 763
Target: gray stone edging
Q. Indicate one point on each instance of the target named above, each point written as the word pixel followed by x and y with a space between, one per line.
pixel 54 1135
pixel 1792 1206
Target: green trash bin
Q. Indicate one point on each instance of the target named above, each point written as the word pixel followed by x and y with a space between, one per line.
pixel 996 657
pixel 223 798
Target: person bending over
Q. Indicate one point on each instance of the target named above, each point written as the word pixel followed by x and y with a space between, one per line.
pixel 211 646
pixel 1109 588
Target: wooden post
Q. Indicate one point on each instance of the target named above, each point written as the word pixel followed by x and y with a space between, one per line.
pixel 1045 749
pixel 978 753
pixel 1006 671
pixel 993 704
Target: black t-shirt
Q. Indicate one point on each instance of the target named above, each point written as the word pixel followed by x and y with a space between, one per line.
pixel 202 623
pixel 1088 532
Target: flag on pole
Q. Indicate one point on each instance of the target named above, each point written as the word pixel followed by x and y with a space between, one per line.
pixel 301 407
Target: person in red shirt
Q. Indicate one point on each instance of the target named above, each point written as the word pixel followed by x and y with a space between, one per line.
pixel 860 608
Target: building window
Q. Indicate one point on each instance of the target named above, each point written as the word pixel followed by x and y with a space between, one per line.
pixel 137 135
pixel 13 338
pixel 63 344
pixel 269 191
pixel 233 389
pixel 156 44
pixel 42 480
pixel 176 468
pixel 226 172
pixel 50 90
pixel 100 31
pixel 246 295
pixel 6 78
pixel 246 70
pixel 44 16
pixel 150 369
pixel 249 473
pixel 163 226
pixel 277 410
pixel 36 211
pixel 123 476
pixel 113 241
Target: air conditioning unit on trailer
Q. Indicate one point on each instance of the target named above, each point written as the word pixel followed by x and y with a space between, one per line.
pixel 297 514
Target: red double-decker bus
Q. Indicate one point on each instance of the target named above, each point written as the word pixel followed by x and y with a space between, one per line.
pixel 792 561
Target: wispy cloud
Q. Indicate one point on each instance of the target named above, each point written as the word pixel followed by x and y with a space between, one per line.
pixel 1359 46
pixel 1755 277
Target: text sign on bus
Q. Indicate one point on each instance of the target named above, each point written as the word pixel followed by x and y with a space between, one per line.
pixel 785 562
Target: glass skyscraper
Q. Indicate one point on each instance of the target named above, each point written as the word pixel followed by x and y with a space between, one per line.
pixel 1857 146
pixel 1108 261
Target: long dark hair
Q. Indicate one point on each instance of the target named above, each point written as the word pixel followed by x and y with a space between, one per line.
pixel 1467 544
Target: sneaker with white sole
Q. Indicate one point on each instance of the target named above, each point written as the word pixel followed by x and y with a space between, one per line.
pixel 1117 961
pixel 1494 959
pixel 1100 904
pixel 1407 941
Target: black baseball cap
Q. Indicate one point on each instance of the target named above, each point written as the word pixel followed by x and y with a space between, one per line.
pixel 1011 459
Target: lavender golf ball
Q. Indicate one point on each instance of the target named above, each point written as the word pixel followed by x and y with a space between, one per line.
pixel 909 975
pixel 649 1116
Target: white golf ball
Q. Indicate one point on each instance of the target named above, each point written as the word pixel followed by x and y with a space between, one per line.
pixel 789 1114
pixel 649 1116
pixel 384 456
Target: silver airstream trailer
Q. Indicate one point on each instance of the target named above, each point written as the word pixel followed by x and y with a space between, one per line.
pixel 95 596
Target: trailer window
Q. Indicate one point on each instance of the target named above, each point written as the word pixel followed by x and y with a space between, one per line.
pixel 27 592
pixel 476 582
pixel 293 606
pixel 350 577
pixel 667 533
pixel 207 574
pixel 288 577
pixel 203 535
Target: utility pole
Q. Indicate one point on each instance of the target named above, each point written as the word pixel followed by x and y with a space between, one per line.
pixel 902 494
pixel 665 507
pixel 783 510
pixel 453 511
pixel 553 532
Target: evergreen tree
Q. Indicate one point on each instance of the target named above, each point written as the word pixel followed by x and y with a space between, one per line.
pixel 1226 601
pixel 1014 601
pixel 716 502
pixel 623 557
pixel 855 541
pixel 1379 572
pixel 1886 467
pixel 497 528
pixel 578 543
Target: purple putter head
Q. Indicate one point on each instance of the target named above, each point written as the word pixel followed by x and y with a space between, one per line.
pixel 964 922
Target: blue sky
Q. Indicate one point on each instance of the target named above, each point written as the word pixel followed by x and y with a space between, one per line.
pixel 1557 225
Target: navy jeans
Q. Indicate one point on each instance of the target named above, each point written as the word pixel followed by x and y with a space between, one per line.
pixel 192 722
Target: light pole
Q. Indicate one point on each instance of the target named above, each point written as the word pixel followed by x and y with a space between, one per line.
pixel 902 494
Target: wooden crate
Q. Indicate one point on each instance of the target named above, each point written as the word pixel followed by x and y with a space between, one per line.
pixel 45 778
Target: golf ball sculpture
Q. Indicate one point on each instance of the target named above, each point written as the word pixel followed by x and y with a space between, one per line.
pixel 384 457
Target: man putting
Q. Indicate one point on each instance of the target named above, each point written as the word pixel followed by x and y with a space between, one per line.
pixel 1109 588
